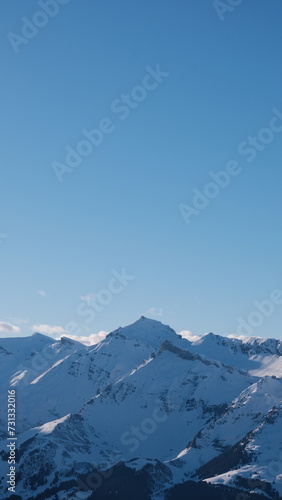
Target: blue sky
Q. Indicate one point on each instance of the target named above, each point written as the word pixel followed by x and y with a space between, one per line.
pixel 64 243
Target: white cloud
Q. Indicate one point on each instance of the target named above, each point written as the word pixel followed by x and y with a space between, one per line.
pixel 19 321
pixel 92 339
pixel 8 327
pixel 186 334
pixel 42 293
pixel 48 329
pixel 155 311
pixel 239 337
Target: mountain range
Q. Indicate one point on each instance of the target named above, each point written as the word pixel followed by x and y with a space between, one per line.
pixel 145 414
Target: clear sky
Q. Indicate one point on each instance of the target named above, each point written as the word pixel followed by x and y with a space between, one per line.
pixel 161 130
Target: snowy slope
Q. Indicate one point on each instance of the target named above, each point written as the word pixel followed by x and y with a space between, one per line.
pixel 243 415
pixel 263 449
pixel 257 355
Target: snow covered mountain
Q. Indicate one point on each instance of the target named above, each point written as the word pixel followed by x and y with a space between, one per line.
pixel 144 414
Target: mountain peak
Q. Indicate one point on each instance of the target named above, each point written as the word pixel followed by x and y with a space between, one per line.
pixel 41 335
pixel 39 339
pixel 146 330
pixel 144 324
pixel 148 321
